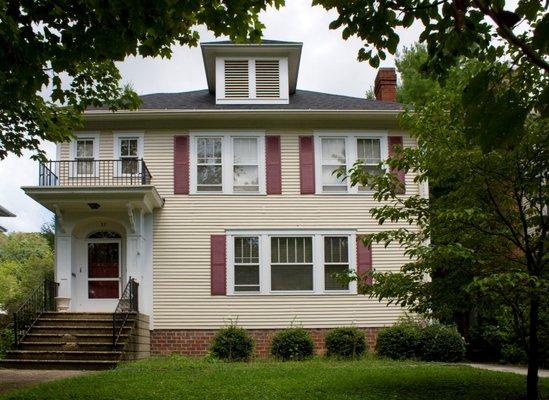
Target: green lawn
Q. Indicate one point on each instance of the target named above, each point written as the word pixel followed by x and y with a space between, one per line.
pixel 367 379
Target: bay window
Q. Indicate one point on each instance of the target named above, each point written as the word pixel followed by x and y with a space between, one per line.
pixel 227 163
pixel 290 262
pixel 337 152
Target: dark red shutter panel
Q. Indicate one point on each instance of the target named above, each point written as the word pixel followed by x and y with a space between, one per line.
pixel 307 164
pixel 218 261
pixel 274 165
pixel 363 259
pixel 397 140
pixel 181 164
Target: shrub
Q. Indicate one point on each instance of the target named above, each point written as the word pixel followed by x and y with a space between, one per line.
pixel 441 343
pixel 292 344
pixel 232 344
pixel 399 341
pixel 513 354
pixel 345 343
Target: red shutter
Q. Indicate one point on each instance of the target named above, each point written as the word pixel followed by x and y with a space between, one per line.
pixel 307 164
pixel 363 259
pixel 218 264
pixel 274 165
pixel 397 140
pixel 181 165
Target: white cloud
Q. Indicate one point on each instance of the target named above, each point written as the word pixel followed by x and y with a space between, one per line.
pixel 328 64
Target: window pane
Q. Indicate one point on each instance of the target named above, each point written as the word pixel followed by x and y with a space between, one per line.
pixel 291 250
pixel 84 167
pixel 209 175
pixel 246 275
pixel 333 151
pixel 246 250
pixel 336 250
pixel 330 277
pixel 369 150
pixel 245 179
pixel 84 148
pixel 291 277
pixel 129 166
pixel 330 178
pixel 208 150
pixel 245 151
pixel 128 147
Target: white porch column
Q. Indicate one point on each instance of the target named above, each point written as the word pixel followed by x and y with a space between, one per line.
pixel 132 258
pixel 63 270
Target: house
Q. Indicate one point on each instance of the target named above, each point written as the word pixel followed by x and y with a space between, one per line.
pixel 5 213
pixel 221 206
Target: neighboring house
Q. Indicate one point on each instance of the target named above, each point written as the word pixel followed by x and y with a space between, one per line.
pixel 221 203
pixel 5 213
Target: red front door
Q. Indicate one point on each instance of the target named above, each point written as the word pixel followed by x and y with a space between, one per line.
pixel 103 270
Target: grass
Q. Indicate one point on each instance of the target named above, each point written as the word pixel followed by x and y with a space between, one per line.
pixel 367 379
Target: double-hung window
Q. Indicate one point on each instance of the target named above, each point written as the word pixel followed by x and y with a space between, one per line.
pixel 128 150
pixel 227 163
pixel 293 262
pixel 337 153
pixel 84 150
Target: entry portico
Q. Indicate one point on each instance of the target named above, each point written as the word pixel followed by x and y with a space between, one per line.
pixel 103 237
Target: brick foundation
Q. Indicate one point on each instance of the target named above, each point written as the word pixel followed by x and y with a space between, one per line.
pixel 196 342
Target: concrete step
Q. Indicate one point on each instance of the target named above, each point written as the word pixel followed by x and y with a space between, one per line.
pixel 63 355
pixel 58 364
pixel 62 322
pixel 76 315
pixel 83 346
pixel 74 338
pixel 76 329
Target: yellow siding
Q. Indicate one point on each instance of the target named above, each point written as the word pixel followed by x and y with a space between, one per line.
pixel 182 232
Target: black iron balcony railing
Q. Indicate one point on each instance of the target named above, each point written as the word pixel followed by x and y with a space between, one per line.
pixel 86 172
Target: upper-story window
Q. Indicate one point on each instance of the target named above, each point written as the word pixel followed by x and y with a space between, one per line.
pixel 227 163
pixel 129 150
pixel 336 153
pixel 252 80
pixel 84 149
pixel 290 262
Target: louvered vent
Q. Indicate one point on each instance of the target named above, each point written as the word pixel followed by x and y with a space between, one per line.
pixel 236 79
pixel 267 79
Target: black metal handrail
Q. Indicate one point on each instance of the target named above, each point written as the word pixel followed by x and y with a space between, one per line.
pixel 128 304
pixel 89 172
pixel 40 300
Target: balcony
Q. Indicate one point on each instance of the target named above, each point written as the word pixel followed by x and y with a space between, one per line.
pixel 86 185
pixel 129 172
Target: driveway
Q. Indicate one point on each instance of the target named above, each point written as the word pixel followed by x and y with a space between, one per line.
pixel 18 378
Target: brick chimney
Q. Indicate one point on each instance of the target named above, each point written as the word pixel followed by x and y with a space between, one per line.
pixel 385 84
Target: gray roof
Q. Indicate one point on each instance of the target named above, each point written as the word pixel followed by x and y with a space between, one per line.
pixel 301 100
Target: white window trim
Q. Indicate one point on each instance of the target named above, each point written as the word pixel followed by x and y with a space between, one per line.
pixel 350 154
pixel 72 153
pixel 265 260
pixel 117 136
pixel 284 97
pixel 227 161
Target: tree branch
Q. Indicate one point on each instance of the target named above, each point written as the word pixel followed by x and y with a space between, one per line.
pixel 508 34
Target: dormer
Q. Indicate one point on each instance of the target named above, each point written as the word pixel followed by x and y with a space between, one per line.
pixel 263 73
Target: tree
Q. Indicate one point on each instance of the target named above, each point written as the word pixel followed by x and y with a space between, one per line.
pixel 489 220
pixel 454 30
pixel 26 259
pixel 416 87
pixel 70 48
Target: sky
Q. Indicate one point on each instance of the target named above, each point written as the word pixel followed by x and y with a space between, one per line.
pixel 328 64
